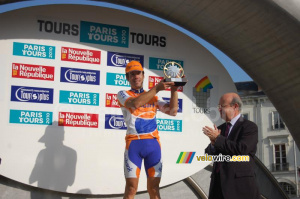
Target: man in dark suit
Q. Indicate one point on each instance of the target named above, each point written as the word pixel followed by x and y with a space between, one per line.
pixel 237 136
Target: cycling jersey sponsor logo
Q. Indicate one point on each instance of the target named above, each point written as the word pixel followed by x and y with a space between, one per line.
pixel 31 94
pixel 122 59
pixel 169 125
pixel 29 71
pixel 78 119
pixel 80 76
pixel 116 79
pixel 111 100
pixel 33 50
pixel 80 98
pixel 30 117
pixel 179 104
pixel 153 80
pixel 80 55
pixel 104 34
pixel 159 63
pixel 115 122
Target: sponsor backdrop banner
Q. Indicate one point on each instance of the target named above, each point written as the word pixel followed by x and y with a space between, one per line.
pixel 33 50
pixel 104 34
pixel 121 59
pixel 80 98
pixel 80 55
pixel 79 76
pixel 31 94
pixel 62 75
pixel 30 71
pixel 30 117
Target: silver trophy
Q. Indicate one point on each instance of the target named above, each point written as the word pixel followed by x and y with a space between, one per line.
pixel 174 73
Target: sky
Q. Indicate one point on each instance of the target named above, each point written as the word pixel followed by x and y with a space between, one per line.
pixel 237 74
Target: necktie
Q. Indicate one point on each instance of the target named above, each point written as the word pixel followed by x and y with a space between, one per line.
pixel 228 125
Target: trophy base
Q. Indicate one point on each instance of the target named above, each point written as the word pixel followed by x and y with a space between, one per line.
pixel 177 81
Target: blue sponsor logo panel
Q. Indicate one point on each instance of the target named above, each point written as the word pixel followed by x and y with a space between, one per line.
pixel 179 103
pixel 104 34
pixel 169 125
pixel 122 59
pixel 30 117
pixel 80 76
pixel 31 94
pixel 33 50
pixel 116 79
pixel 80 98
pixel 159 63
pixel 115 122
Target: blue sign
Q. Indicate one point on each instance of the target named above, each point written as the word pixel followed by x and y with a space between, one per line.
pixel 80 98
pixel 115 122
pixel 179 104
pixel 122 59
pixel 104 34
pixel 169 125
pixel 80 76
pixel 34 50
pixel 31 94
pixel 116 79
pixel 30 117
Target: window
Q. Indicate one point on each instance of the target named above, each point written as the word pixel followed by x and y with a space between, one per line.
pixel 245 115
pixel 277 122
pixel 280 158
pixel 287 188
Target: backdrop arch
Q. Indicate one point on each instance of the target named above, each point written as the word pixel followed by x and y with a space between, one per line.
pixel 261 37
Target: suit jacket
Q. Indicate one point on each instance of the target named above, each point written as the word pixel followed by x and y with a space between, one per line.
pixel 237 178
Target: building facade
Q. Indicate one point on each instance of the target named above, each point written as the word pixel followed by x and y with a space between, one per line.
pixel 276 147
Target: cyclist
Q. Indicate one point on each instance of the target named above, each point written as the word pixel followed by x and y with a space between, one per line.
pixel 142 139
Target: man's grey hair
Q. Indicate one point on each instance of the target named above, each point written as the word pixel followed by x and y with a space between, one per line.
pixel 237 100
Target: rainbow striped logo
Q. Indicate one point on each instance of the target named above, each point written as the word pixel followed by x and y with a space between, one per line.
pixel 185 158
pixel 204 83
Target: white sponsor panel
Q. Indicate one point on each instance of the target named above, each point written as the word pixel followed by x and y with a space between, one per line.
pixel 70 102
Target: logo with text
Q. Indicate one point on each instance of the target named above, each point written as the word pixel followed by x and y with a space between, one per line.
pixel 115 122
pixel 31 94
pixel 201 96
pixel 78 119
pixel 111 100
pixel 223 158
pixel 29 71
pixel 116 79
pixel 104 34
pixel 30 117
pixel 80 55
pixel 34 50
pixel 122 59
pixel 80 76
pixel 80 98
pixel 169 125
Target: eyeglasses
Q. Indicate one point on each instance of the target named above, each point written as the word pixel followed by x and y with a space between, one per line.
pixel 223 106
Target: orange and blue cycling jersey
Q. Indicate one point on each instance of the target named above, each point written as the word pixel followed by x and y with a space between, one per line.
pixel 141 122
pixel 142 138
